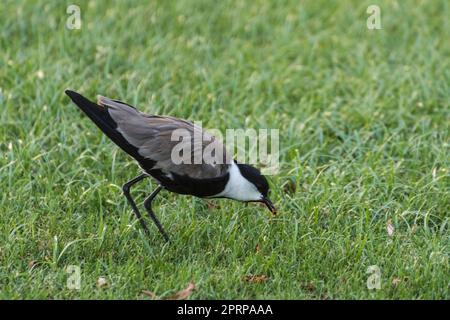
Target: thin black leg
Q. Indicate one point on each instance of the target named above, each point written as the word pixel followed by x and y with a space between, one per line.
pixel 148 207
pixel 126 191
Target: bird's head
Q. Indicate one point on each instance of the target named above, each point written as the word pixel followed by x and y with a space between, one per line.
pixel 254 186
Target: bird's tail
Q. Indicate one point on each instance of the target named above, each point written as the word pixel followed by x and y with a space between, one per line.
pixel 100 116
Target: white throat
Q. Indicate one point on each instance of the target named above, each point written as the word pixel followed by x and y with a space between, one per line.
pixel 238 187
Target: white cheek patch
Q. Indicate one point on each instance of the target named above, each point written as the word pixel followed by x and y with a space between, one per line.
pixel 239 188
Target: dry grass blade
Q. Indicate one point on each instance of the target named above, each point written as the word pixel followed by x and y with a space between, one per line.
pixel 102 282
pixel 390 228
pixel 183 294
pixel 256 278
pixel 396 281
pixel 150 294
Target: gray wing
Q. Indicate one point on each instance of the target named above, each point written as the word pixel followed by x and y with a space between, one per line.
pixel 157 137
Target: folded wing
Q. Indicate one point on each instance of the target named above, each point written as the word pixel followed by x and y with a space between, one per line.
pixel 156 137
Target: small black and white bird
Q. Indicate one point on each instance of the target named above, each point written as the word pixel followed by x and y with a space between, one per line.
pixel 147 138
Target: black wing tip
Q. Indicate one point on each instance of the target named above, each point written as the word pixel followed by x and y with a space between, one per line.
pixel 72 94
pixel 79 99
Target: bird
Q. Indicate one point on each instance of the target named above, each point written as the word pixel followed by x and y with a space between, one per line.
pixel 148 139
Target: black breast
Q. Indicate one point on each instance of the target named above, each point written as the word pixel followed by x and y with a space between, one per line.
pixel 183 184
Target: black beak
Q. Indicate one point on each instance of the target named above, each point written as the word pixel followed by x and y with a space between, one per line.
pixel 270 205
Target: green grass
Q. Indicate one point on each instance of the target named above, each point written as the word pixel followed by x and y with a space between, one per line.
pixel 364 135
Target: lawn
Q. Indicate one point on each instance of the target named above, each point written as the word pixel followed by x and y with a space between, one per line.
pixel 364 119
